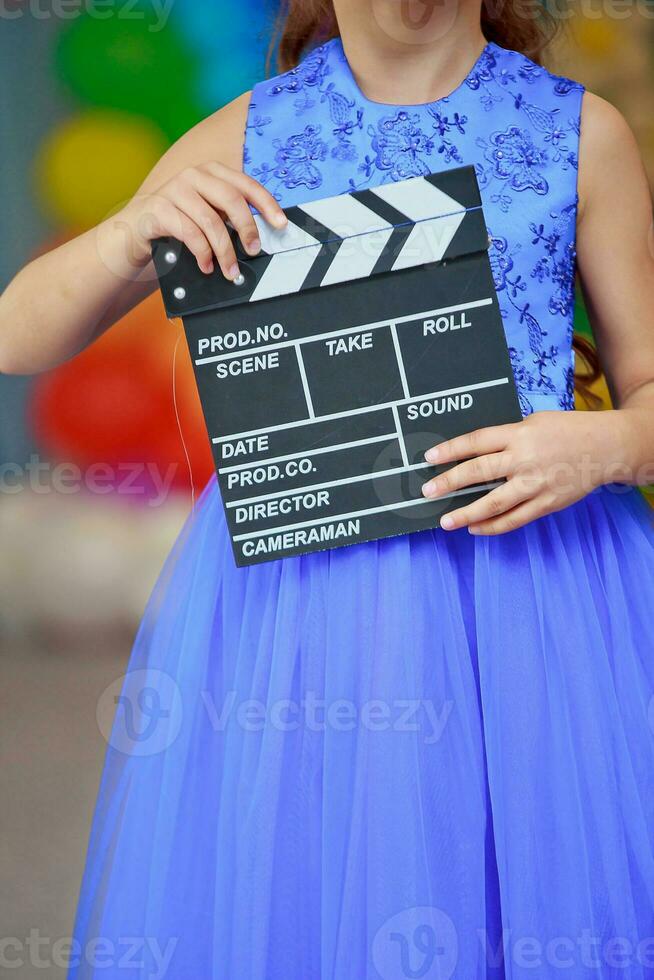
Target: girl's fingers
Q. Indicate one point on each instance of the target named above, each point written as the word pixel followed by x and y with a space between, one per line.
pixel 521 515
pixel 489 508
pixel 180 225
pixel 252 191
pixel 226 198
pixel 214 229
pixel 481 469
pixel 204 195
pixel 492 439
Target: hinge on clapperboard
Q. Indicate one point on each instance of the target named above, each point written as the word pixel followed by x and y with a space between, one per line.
pixel 396 226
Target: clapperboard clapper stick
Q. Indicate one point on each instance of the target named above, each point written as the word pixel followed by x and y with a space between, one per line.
pixel 364 333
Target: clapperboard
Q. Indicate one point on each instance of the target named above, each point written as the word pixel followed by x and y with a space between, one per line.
pixel 363 334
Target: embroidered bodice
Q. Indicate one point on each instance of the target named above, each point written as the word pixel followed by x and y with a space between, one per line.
pixel 312 133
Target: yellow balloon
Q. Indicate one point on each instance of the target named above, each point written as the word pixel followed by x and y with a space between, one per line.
pixel 599 390
pixel 596 38
pixel 94 162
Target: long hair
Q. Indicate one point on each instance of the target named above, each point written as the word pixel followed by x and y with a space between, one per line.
pixel 512 24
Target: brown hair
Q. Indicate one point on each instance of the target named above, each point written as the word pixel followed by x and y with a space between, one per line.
pixel 301 24
pixel 584 380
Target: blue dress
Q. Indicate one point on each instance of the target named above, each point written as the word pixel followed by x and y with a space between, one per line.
pixel 430 756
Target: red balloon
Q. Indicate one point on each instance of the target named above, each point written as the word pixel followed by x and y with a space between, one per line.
pixel 114 403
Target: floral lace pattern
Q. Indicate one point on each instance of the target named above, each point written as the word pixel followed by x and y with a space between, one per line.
pixel 312 133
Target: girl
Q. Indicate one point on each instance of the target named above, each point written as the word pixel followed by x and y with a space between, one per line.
pixel 429 756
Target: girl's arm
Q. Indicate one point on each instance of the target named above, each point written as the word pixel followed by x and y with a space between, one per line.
pixel 616 268
pixel 552 459
pixel 62 301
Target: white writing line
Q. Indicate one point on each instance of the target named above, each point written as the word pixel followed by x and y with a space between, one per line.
pixel 362 411
pixel 363 513
pixel 309 452
pixel 394 471
pixel 461 307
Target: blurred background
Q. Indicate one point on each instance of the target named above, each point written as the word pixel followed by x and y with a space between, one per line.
pixel 100 459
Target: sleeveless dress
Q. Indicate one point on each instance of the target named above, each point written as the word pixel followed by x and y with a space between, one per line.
pixel 430 756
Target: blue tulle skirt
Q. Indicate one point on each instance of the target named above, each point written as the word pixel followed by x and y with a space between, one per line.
pixel 431 757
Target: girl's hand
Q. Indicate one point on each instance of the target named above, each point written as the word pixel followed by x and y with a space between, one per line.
pixel 194 207
pixel 549 460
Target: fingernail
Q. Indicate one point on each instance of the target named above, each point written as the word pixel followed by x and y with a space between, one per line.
pixel 254 247
pixel 473 530
pixel 234 271
pixel 447 523
pixel 431 455
pixel 428 488
pixel 280 220
pixel 437 487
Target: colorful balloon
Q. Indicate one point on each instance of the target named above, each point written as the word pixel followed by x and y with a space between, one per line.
pixel 138 63
pixel 582 322
pixel 227 75
pixel 115 403
pixel 93 162
pixel 230 41
pixel 597 38
pixel 209 26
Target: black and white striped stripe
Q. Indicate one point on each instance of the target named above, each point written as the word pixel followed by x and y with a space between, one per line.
pixel 396 226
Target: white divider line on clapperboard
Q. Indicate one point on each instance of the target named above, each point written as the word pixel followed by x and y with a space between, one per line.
pixel 298 491
pixel 345 415
pixel 270 531
pixel 400 360
pixel 459 308
pixel 305 382
pixel 309 452
pixel 400 436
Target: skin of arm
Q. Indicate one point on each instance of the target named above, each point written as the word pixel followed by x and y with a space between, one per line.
pixel 62 301
pixel 552 459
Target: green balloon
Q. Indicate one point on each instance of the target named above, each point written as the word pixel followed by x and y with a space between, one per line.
pixel 126 58
pixel 582 324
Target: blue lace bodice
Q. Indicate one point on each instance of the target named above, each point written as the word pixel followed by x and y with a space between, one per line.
pixel 311 133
